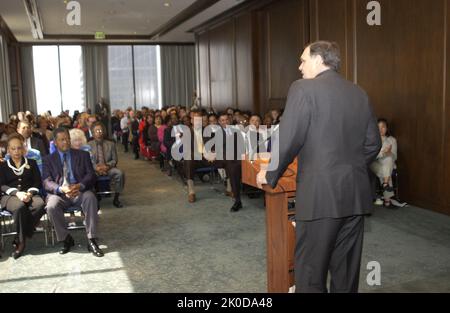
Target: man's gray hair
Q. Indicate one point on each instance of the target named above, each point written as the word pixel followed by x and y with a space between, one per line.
pixel 329 51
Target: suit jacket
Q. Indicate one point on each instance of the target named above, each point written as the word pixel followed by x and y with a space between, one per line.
pixel 109 152
pixel 89 135
pixel 81 168
pixel 29 181
pixel 329 125
pixel 38 144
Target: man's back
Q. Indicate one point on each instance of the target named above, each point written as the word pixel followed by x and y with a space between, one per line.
pixel 340 114
pixel 338 138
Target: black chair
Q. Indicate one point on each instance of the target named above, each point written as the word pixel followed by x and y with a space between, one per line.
pixel 7 227
pixel 69 211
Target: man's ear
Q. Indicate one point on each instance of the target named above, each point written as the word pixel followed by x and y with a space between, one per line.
pixel 318 61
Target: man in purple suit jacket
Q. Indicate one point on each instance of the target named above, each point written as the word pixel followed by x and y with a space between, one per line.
pixel 68 178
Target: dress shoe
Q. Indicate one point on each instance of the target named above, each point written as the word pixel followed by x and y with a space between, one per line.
pixel 116 201
pixel 236 206
pixel 16 254
pixel 94 248
pixel 67 244
pixel 18 250
pixel 15 243
pixel 117 204
pixel 191 198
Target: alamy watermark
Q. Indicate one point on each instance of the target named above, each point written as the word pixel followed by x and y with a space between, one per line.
pixel 374 276
pixel 73 18
pixel 374 16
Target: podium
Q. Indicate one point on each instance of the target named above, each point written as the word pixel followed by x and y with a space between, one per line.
pixel 280 213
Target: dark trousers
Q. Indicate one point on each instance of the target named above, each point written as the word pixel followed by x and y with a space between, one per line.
pixel 232 168
pixel 333 245
pixel 88 203
pixel 25 215
pixel 135 146
pixel 125 141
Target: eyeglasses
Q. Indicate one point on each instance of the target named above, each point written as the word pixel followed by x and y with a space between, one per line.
pixel 99 131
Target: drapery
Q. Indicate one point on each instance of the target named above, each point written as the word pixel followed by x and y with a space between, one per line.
pixel 29 88
pixel 96 82
pixel 178 76
pixel 5 82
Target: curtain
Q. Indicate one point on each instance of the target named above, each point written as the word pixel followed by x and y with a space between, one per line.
pixel 5 83
pixel 95 63
pixel 29 88
pixel 178 75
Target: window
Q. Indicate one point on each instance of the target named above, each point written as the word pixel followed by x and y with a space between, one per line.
pixel 58 74
pixel 121 90
pixel 134 76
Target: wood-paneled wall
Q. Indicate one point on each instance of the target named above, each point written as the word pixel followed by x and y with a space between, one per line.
pixel 226 69
pixel 402 64
pixel 255 53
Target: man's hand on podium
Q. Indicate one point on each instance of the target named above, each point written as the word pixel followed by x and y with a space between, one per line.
pixel 261 178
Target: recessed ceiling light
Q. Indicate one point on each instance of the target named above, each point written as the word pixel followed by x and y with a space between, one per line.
pixel 167 4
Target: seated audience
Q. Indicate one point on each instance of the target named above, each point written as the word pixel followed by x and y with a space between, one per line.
pixel 3 135
pixel 43 128
pixel 232 166
pixel 168 141
pixel 69 178
pixel 275 115
pixel 160 128
pixel 134 132
pixel 212 119
pixel 105 159
pixel 385 162
pixel 91 119
pixel 31 140
pixel 125 132
pixel 268 121
pixel 20 182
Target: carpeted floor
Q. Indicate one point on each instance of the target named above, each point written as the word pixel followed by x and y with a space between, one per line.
pixel 160 243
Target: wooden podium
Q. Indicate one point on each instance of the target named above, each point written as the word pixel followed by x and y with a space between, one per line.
pixel 279 228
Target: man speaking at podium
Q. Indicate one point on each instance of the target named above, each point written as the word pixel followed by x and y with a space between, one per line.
pixel 329 125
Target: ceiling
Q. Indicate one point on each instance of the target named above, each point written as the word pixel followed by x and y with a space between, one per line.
pixel 113 17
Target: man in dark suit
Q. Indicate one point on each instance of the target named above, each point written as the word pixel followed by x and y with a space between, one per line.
pixel 218 158
pixel 329 125
pixel 31 139
pixel 103 112
pixel 68 178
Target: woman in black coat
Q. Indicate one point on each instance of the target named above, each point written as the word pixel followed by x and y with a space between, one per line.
pixel 20 182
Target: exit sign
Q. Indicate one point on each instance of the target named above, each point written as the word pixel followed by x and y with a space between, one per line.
pixel 100 35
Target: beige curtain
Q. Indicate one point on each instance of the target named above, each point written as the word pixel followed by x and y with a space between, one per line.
pixel 5 82
pixel 95 63
pixel 178 80
pixel 29 88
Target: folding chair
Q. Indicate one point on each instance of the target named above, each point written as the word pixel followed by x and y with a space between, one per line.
pixel 7 226
pixel 211 170
pixel 69 210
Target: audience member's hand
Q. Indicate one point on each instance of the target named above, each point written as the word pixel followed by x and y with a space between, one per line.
pixel 65 189
pixel 102 169
pixel 23 196
pixel 389 149
pixel 74 191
